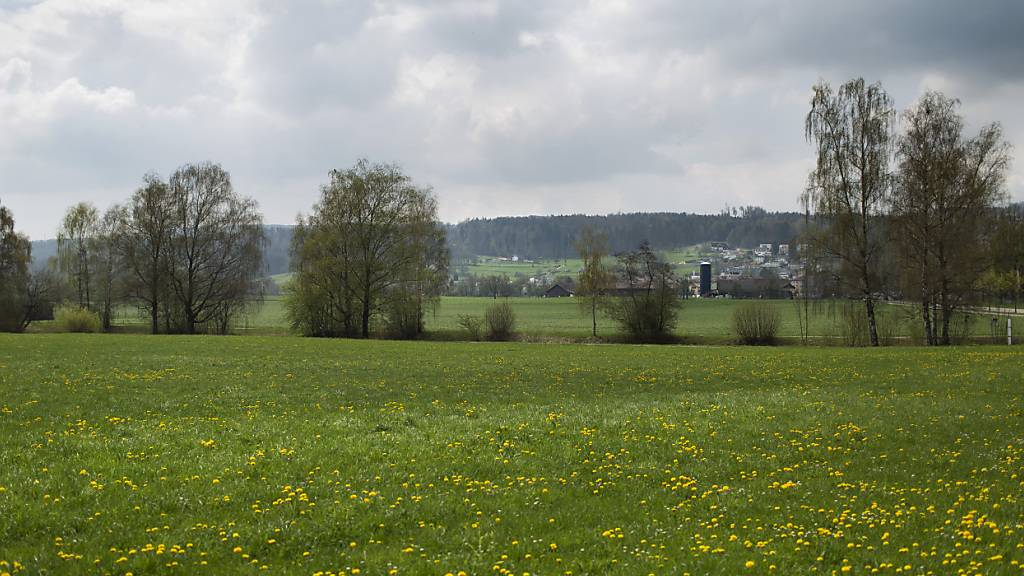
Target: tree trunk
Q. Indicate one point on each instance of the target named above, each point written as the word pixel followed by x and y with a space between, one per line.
pixel 154 317
pixel 366 314
pixel 593 313
pixel 869 304
pixel 927 317
pixel 106 314
pixel 946 317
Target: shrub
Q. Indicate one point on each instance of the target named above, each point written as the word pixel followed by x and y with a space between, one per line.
pixel 501 321
pixel 756 322
pixel 648 308
pixel 74 319
pixel 404 317
pixel 854 328
pixel 471 324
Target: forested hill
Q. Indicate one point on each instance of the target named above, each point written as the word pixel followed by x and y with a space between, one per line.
pixel 552 236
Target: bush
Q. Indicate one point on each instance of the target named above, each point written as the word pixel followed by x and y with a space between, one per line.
pixel 853 324
pixel 648 308
pixel 404 317
pixel 74 319
pixel 501 321
pixel 756 322
pixel 471 324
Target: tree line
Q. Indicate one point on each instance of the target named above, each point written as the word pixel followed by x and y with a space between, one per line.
pixel 540 237
pixel 907 205
pixel 187 250
pixel 904 206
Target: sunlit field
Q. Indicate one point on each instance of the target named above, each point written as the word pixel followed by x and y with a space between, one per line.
pixel 189 455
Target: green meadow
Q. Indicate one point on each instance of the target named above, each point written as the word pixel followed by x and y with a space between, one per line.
pixel 131 454
pixel 700 321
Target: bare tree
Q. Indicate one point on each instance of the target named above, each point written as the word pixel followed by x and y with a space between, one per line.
pixel 145 241
pixel 372 245
pixel 594 279
pixel 214 257
pixel 947 191
pixel 852 131
pixel 646 305
pixel 75 241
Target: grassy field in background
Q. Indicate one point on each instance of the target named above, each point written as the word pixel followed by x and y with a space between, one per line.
pixel 192 455
pixel 491 265
pixel 700 321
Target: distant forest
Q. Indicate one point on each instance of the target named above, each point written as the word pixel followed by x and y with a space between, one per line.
pixel 535 237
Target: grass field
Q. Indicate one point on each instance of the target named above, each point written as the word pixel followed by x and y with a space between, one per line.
pixel 700 321
pixel 189 455
pixel 491 265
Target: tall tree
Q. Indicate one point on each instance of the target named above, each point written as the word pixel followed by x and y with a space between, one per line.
pixel 214 258
pixel 594 279
pixel 948 188
pixel 75 241
pixel 372 243
pixel 1008 250
pixel 852 131
pixel 15 254
pixel 107 262
pixel 145 242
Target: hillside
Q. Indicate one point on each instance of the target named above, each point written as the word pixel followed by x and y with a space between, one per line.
pixel 552 236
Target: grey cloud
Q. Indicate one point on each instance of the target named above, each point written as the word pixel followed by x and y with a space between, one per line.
pixel 505 107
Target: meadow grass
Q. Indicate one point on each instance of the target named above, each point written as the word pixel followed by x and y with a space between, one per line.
pixel 189 455
pixel 700 320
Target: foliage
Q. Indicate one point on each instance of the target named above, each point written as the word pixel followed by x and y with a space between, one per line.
pixel 75 241
pixel 756 322
pixel 473 455
pixel 214 250
pixel 947 191
pixel 473 325
pixel 595 280
pixel 501 321
pixel 15 254
pixel 145 246
pixel 647 303
pixel 373 246
pixel 71 318
pixel 852 130
pixel 552 236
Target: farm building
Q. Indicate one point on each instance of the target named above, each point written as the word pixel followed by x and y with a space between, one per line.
pixel 557 291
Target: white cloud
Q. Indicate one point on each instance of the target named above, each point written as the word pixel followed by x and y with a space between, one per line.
pixel 504 106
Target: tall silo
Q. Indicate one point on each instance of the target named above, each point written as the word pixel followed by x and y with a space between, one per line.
pixel 705 279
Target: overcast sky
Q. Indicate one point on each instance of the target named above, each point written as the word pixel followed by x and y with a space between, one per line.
pixel 503 107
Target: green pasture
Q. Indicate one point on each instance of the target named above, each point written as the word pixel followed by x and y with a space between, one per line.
pixel 700 320
pixel 131 454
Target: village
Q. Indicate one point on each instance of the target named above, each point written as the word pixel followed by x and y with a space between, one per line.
pixel 707 270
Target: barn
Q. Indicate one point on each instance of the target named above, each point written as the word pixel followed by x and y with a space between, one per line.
pixel 557 291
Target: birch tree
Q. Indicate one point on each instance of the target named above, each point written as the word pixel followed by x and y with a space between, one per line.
pixel 852 132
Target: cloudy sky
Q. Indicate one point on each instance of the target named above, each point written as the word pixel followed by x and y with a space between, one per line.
pixel 504 107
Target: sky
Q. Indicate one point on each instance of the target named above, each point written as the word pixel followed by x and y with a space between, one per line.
pixel 502 107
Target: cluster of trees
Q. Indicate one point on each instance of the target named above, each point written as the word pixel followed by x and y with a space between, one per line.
pixel 371 257
pixel 914 213
pixel 188 251
pixel 639 292
pixel 553 236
